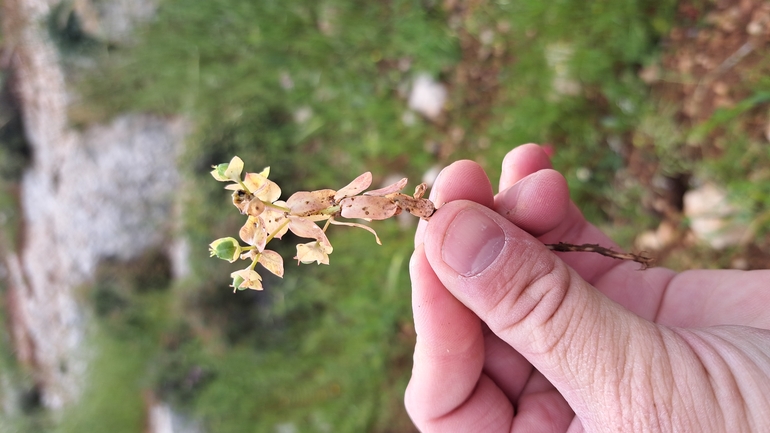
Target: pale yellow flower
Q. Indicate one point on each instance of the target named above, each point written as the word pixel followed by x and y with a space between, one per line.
pixel 246 279
pixel 229 172
pixel 313 252
pixel 259 186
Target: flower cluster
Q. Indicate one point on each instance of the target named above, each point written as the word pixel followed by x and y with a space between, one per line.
pixel 268 217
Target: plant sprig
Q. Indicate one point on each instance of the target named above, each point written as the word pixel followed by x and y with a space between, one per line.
pixel 257 197
pixel 269 218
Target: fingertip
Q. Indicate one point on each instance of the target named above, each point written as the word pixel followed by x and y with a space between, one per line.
pixel 538 203
pixel 522 161
pixel 462 180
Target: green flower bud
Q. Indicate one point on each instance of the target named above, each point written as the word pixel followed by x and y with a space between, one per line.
pixel 237 281
pixel 246 279
pixel 228 172
pixel 219 172
pixel 226 249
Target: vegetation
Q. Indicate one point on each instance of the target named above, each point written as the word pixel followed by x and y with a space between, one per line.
pixel 329 349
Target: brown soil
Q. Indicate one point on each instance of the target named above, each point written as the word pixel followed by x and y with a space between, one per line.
pixel 709 62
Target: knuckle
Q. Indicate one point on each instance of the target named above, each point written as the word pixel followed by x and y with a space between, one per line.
pixel 531 300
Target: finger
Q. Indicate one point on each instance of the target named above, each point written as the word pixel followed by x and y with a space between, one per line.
pixel 462 180
pixel 447 387
pixel 505 366
pixel 708 297
pixel 521 162
pixel 541 407
pixel 537 304
pixel 538 405
pixel 539 203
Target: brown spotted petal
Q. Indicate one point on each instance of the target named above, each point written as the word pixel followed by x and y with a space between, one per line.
pixel 305 203
pixel 368 207
pixel 272 261
pixel 255 208
pixel 305 228
pixel 354 188
pixel 415 205
pixel 390 189
pixel 276 223
pixel 254 233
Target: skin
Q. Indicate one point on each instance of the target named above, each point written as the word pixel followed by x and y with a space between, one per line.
pixel 553 342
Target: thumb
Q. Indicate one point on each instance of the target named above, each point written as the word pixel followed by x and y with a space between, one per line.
pixel 586 345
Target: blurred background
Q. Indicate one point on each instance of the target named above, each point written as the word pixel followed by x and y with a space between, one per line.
pixel 113 111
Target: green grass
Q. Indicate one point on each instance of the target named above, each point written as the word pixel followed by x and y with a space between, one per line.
pixel 129 302
pixel 113 400
pixel 332 349
pixel 329 347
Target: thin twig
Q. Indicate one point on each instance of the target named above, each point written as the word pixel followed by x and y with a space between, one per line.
pixel 424 209
pixel 645 261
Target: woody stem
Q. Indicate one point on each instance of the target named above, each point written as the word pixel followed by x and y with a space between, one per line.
pixel 598 249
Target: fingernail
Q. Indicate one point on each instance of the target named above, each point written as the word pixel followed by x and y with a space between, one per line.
pixel 472 242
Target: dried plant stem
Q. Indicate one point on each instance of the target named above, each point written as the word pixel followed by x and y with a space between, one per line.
pixel 645 261
pixel 424 209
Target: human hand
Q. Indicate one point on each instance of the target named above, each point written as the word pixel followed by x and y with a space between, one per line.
pixel 512 337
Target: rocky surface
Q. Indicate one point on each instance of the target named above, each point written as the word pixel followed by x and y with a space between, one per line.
pixel 103 192
pixel 712 217
pixel 427 96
